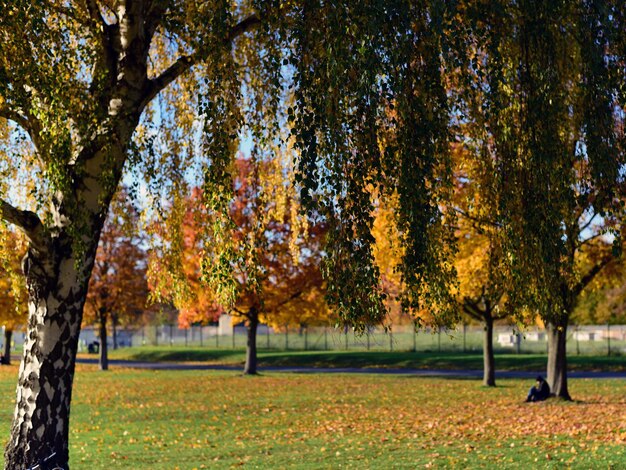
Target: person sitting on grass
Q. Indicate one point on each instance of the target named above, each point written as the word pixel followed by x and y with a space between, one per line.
pixel 540 391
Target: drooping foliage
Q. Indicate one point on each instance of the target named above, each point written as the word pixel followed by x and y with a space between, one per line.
pixel 343 130
pixel 541 94
pixel 349 81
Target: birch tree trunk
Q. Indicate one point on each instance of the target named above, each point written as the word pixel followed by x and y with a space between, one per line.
pixel 57 286
pixel 62 244
pixel 57 268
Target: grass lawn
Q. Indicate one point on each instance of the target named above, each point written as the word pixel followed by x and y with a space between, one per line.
pixel 417 360
pixel 134 419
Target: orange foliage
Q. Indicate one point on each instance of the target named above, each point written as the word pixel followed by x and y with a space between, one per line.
pixel 285 263
pixel 194 301
pixel 277 264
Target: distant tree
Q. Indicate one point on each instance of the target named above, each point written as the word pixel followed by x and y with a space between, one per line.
pixel 279 276
pixel 117 288
pixel 480 296
pixel 276 273
pixel 482 287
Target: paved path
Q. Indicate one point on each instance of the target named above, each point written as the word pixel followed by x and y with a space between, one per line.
pixel 471 374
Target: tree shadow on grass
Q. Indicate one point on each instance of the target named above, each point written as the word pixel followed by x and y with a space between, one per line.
pixel 188 355
pixel 369 359
pixel 442 377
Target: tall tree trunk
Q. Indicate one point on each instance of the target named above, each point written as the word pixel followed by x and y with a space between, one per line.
pixel 557 358
pixel 489 367
pixel 57 287
pixel 251 358
pixel 104 349
pixel 114 330
pixel 58 270
pixel 8 335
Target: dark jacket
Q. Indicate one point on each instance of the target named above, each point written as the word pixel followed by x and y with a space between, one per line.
pixel 544 391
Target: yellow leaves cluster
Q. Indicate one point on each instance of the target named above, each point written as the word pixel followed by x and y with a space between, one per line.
pixel 13 294
pixel 472 263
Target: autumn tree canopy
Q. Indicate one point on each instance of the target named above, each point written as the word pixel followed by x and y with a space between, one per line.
pixel 275 255
pixel 95 87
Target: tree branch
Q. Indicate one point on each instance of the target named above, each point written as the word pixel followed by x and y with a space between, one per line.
pixel 240 312
pixel 476 220
pixel 496 313
pixel 154 16
pixel 94 13
pixel 27 221
pixel 593 272
pixel 28 123
pixel 16 117
pixel 588 223
pixel 288 299
pixel 184 63
pixel 243 26
pixel 471 309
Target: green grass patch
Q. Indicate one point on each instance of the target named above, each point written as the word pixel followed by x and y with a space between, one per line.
pixel 205 419
pixel 361 359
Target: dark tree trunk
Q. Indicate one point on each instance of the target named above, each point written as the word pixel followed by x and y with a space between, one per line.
pixel 251 358
pixel 114 330
pixel 57 287
pixel 557 358
pixel 489 367
pixel 104 349
pixel 482 309
pixel 8 335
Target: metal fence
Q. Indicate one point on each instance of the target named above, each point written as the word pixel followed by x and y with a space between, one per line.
pixel 588 339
